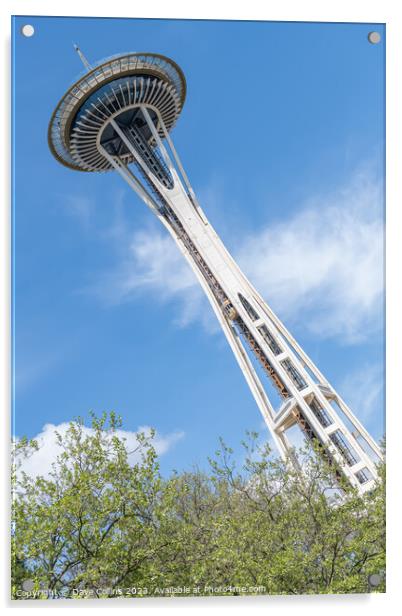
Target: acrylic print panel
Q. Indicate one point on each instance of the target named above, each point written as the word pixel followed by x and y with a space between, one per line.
pixel 198 308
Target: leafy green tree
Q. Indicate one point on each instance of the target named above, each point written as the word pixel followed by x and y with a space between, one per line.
pixel 101 525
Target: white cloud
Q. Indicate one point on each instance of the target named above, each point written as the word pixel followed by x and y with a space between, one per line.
pixel 322 268
pixel 40 462
pixel 152 264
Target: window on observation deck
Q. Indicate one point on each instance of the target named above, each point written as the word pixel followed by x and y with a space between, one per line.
pixel 248 308
pixel 294 374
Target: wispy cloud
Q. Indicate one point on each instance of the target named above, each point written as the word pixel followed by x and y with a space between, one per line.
pixel 80 207
pixel 36 363
pixel 29 372
pixel 40 462
pixel 322 267
pixel 151 263
pixel 363 389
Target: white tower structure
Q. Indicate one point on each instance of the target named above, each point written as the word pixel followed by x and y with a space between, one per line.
pixel 118 116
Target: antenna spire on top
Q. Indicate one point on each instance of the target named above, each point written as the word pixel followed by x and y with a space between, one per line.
pixel 82 57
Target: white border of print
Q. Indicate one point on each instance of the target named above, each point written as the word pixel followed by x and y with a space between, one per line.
pixel 368 11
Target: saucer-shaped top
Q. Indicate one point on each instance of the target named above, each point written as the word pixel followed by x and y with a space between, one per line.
pixel 114 88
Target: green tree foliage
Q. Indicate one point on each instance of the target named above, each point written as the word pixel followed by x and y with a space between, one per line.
pixel 100 525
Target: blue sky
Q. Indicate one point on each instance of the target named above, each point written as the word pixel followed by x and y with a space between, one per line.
pixel 282 136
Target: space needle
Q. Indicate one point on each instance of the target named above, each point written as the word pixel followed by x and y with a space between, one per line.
pixel 118 116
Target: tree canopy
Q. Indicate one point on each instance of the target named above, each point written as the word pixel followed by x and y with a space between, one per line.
pixel 102 525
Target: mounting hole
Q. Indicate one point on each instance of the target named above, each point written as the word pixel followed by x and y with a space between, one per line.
pixel 374 37
pixel 375 579
pixel 28 585
pixel 28 30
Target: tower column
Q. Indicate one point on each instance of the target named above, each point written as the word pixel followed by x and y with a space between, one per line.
pixel 118 116
pixel 235 302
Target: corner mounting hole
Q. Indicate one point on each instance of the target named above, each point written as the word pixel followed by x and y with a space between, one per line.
pixel 374 37
pixel 28 30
